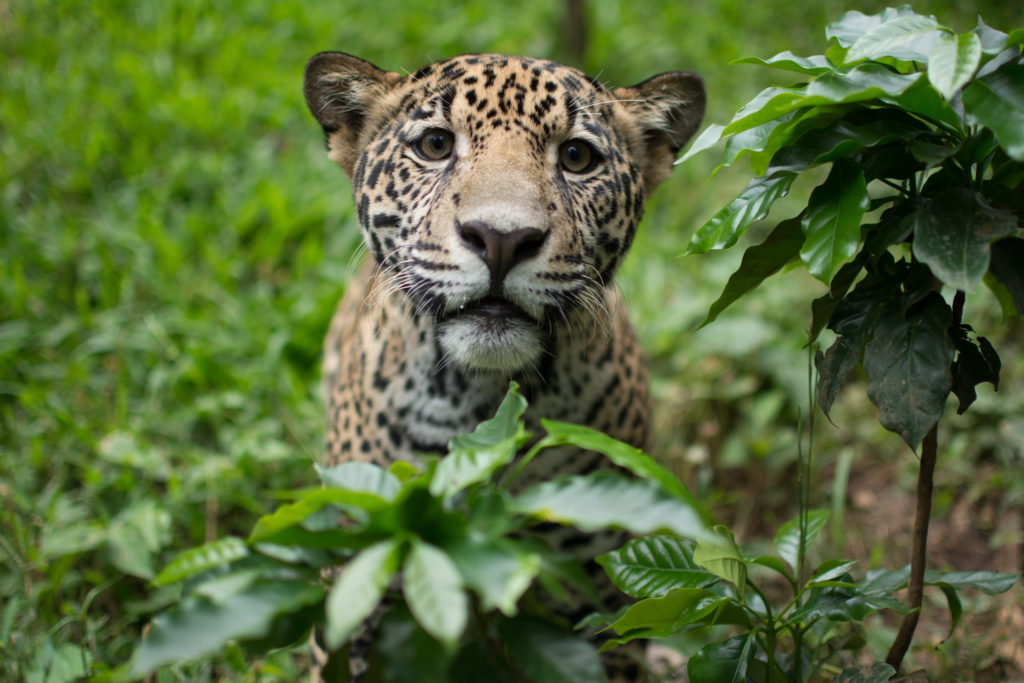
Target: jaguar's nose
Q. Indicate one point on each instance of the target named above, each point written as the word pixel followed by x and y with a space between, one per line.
pixel 500 250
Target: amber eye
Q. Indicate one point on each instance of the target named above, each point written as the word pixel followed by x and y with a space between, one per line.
pixel 576 156
pixel 436 144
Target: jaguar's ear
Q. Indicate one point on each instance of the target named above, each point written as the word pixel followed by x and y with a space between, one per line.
pixel 341 92
pixel 667 108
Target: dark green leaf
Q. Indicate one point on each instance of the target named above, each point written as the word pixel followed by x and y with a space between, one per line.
pixel 1007 255
pixel 651 566
pixel 497 571
pixel 908 38
pixel 924 100
pixel 724 662
pixel 547 654
pixel 953 61
pixel 908 366
pixel 479 660
pixel 831 223
pixel 475 457
pixel 952 234
pixel 622 454
pixel 198 627
pixel 956 609
pixel 608 499
pixel 358 589
pixel 433 589
pixel 975 363
pixel 787 61
pixel 990 583
pixel 997 102
pixel 787 538
pixel 407 653
pixel 752 204
pixel 830 570
pixel 198 560
pixel 668 614
pixel 871 673
pixel 844 603
pixel 760 262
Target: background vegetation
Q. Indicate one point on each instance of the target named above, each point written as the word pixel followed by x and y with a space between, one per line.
pixel 174 241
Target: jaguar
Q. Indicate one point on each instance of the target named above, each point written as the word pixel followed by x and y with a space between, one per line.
pixel 497 197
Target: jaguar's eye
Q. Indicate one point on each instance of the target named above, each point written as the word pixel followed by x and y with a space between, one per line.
pixel 577 156
pixel 436 144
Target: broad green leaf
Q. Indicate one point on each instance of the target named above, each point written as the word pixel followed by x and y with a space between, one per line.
pixel 831 223
pixel 721 556
pixel 1007 255
pixel 136 534
pixel 358 589
pixel 885 581
pixel 956 609
pixel 65 663
pixel 775 564
pixel 865 82
pixel 953 60
pixel 844 603
pixel 547 654
pixel 787 538
pixel 768 104
pixel 308 503
pixel 830 571
pixel 407 653
pixel 724 662
pixel 197 627
pixel 924 100
pixel 476 456
pixel 662 616
pixel 434 592
pixel 622 454
pixel 198 560
pixel 852 25
pixel 871 673
pixel 975 363
pixel 752 140
pixel 752 204
pixel 908 366
pixel 479 660
pixel 706 140
pixel 990 583
pixel 908 38
pixel 997 102
pixel 952 234
pixel 652 566
pixel 992 41
pixel 787 61
pixel 361 476
pixel 498 572
pixel 608 499
pixel 759 262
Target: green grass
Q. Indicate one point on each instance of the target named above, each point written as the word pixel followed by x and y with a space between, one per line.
pixel 174 241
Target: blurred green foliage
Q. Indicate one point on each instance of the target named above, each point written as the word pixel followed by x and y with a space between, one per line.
pixel 174 241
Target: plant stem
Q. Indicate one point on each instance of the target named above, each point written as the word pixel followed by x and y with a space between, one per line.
pixel 922 515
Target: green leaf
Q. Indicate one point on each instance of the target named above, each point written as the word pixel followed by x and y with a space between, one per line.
pixel 975 363
pixel 908 38
pixel 992 41
pixel 831 223
pixel 990 583
pixel 871 673
pixel 997 102
pixel 498 572
pixel 770 103
pixel 622 454
pixel 361 476
pixel 852 25
pixel 136 534
pixel 721 556
pixel 724 662
pixel 204 558
pixel 665 615
pixel 844 602
pixel 752 204
pixel 476 456
pixel 952 234
pixel 924 100
pixel 706 140
pixel 787 538
pixel 759 262
pixel 407 653
pixel 908 366
pixel 547 654
pixel 434 592
pixel 58 664
pixel 830 571
pixel 358 589
pixel 953 61
pixel 198 627
pixel 652 566
pixel 608 499
pixel 309 502
pixel 956 609
pixel 787 61
pixel 1007 255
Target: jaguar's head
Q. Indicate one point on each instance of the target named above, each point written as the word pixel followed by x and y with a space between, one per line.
pixel 499 193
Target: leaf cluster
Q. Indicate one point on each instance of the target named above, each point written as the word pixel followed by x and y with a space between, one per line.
pixel 922 132
pixel 447 552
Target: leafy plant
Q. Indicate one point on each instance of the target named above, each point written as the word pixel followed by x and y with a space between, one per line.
pixel 448 545
pixel 922 130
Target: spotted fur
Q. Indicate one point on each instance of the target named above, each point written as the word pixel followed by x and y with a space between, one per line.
pixel 497 197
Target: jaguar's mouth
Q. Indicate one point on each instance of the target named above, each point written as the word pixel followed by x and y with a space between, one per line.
pixel 492 308
pixel 491 334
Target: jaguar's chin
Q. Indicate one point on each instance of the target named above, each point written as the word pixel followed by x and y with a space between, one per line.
pixel 491 335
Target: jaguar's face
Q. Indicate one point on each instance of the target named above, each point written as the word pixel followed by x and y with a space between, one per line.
pixel 499 193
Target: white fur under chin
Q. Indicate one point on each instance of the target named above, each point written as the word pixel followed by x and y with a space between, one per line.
pixel 479 343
